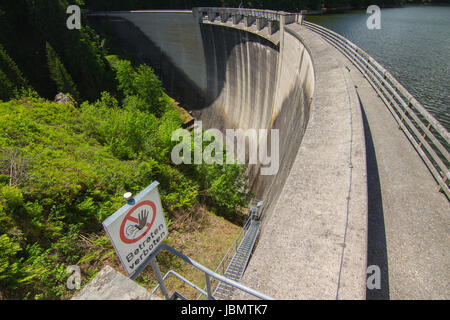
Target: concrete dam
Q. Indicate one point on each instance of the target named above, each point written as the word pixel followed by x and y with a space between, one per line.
pixel 228 77
pixel 268 71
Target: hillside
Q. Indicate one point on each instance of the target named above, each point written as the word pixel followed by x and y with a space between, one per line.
pixel 65 166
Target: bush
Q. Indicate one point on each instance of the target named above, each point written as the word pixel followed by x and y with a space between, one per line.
pixel 12 197
pixel 9 264
pixel 141 87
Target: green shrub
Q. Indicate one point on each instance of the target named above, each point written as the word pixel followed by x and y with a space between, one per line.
pixel 12 197
pixel 9 264
pixel 141 87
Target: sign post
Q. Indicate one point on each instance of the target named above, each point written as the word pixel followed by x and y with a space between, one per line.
pixel 137 229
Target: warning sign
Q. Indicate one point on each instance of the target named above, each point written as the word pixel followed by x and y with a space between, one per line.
pixel 138 228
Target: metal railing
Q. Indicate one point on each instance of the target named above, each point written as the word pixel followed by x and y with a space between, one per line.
pixel 208 275
pixel 257 13
pixel 202 292
pixel 232 250
pixel 221 268
pixel 236 268
pixel 430 139
pixel 255 209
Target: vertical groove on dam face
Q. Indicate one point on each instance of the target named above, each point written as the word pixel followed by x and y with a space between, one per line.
pixel 241 64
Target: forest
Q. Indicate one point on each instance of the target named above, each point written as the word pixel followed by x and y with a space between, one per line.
pixel 285 5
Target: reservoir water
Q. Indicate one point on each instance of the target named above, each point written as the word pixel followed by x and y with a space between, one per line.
pixel 413 44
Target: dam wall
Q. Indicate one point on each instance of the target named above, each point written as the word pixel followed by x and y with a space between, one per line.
pixel 228 77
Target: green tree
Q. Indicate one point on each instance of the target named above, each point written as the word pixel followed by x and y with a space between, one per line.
pixel 11 78
pixel 141 88
pixel 59 74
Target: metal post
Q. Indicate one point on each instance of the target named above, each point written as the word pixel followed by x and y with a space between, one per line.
pixel 158 276
pixel 208 286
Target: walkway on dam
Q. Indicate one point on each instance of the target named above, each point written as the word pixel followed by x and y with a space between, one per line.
pixel 408 219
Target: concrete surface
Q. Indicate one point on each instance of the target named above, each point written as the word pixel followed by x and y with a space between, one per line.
pixel 112 285
pixel 409 220
pixel 167 29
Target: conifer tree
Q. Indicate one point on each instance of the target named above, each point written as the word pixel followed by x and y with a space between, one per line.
pixel 11 78
pixel 59 74
pixel 7 88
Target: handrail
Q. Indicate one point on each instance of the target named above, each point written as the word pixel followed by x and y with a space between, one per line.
pixel 230 252
pixel 202 292
pixel 430 139
pixel 236 244
pixel 208 273
pixel 258 13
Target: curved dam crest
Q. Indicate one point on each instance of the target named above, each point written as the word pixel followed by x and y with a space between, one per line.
pixel 316 205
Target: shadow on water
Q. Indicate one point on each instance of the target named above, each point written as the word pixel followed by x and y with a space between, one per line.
pixel 376 246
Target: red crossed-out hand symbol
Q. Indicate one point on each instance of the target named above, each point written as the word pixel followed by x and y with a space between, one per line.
pixel 140 223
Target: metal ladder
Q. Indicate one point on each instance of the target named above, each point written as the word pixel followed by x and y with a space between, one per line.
pixel 236 268
pixel 221 283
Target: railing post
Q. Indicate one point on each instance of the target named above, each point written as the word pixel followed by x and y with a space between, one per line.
pixel 224 16
pixel 211 15
pixel 158 276
pixel 273 26
pixel 282 23
pixel 249 20
pixel 401 120
pixel 198 15
pixel 237 17
pixel 208 286
pixel 260 23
